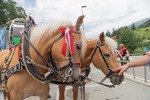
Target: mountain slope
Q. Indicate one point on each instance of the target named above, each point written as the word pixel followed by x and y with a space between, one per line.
pixel 138 23
pixel 145 24
pixel 143 32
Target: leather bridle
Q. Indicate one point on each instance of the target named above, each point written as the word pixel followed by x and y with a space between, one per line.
pixel 66 69
pixel 51 63
pixel 107 65
pixel 102 55
pixel 69 65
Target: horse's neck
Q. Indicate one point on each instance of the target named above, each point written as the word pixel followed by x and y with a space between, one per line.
pixel 88 54
pixel 43 50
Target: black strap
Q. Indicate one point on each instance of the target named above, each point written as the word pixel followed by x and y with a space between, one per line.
pixel 30 67
pixel 98 47
pixel 14 69
pixel 25 52
pixel 52 59
pixel 51 56
pixel 36 50
pixel 110 71
pixel 61 82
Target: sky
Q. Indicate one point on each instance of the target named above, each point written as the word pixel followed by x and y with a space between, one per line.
pixel 100 15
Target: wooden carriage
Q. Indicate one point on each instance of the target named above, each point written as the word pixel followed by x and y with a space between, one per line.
pixel 12 33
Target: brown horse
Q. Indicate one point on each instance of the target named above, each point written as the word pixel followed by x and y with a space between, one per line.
pixel 100 52
pixel 44 38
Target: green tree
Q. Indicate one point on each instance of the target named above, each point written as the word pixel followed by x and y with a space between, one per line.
pixel 133 27
pixel 108 34
pixel 115 33
pixel 129 39
pixel 10 10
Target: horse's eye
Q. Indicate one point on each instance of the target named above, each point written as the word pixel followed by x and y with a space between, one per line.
pixel 106 55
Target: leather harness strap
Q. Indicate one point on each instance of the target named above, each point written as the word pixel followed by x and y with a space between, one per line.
pixel 110 71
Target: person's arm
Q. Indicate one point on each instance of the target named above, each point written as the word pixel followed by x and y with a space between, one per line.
pixel 136 63
pixel 140 62
pixel 127 53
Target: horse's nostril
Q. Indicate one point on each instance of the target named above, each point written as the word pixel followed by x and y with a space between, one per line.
pixel 76 74
pixel 120 79
pixel 115 79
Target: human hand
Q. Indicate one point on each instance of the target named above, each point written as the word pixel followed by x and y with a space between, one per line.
pixel 121 69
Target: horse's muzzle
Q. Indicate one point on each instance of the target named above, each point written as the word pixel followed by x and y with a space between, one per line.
pixel 115 79
pixel 76 72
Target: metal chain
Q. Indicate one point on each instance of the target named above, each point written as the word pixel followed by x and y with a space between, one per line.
pixel 30 61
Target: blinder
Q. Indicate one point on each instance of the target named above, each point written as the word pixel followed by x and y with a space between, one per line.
pixel 67 70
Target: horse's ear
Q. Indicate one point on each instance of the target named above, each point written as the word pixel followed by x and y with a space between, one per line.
pixel 79 22
pixel 102 38
pixel 114 37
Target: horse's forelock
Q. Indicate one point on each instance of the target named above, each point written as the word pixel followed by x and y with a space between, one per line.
pixel 112 44
pixel 47 29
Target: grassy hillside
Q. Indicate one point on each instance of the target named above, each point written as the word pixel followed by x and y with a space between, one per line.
pixel 143 32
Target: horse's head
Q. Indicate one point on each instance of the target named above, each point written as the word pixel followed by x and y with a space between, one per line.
pixel 80 46
pixel 101 53
pixel 59 43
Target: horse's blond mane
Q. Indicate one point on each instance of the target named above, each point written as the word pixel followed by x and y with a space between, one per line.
pixel 112 44
pixel 84 44
pixel 47 29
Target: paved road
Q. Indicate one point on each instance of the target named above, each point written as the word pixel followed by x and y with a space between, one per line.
pixel 128 90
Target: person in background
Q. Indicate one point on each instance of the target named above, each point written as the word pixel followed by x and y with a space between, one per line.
pixel 144 60
pixel 116 53
pixel 123 54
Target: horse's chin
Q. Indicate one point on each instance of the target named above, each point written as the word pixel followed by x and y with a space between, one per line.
pixel 115 79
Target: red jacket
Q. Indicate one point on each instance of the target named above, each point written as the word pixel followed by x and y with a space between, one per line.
pixel 123 51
